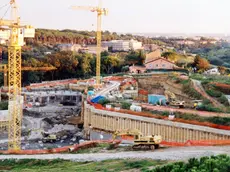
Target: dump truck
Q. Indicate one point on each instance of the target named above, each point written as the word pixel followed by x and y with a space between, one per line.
pixel 140 142
pixel 172 100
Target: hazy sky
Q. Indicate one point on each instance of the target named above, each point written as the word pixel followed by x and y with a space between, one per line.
pixel 164 16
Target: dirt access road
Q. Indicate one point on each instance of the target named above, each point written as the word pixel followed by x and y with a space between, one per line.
pixel 173 154
pixel 189 111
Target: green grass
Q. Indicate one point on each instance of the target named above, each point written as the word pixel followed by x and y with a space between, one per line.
pixel 68 166
pixel 220 163
pixel 212 78
pixel 191 117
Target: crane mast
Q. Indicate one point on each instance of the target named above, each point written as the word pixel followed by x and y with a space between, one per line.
pixel 100 11
pixel 15 100
pixel 14 77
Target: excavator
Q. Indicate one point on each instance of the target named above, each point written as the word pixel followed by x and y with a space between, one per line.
pixel 140 142
pixel 46 137
pixel 172 100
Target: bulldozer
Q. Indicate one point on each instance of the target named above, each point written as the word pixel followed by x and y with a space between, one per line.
pixel 172 100
pixel 140 142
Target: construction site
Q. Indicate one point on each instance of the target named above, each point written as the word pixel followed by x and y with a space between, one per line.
pixel 151 111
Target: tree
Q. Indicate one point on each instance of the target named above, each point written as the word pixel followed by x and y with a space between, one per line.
pixel 201 64
pixel 65 63
pixel 136 58
pixel 109 62
pixel 222 69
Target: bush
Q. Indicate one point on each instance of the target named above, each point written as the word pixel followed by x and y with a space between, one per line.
pixel 3 105
pixel 214 163
pixel 191 91
pixel 103 101
pixel 90 88
pixel 223 100
pixel 209 107
pixel 125 105
pixel 214 93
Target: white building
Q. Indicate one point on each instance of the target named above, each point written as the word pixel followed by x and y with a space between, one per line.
pixel 122 45
pixel 135 45
pixel 69 47
pixel 92 49
pixel 213 71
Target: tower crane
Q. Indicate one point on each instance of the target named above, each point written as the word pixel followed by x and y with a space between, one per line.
pixel 100 11
pixel 16 41
pixel 4 69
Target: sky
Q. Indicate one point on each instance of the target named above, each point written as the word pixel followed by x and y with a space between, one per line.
pixel 129 16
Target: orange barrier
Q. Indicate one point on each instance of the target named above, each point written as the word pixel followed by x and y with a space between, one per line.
pixel 62 149
pixel 197 143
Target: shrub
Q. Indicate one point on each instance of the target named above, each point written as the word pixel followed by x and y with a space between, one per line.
pixel 90 88
pixel 125 105
pixel 214 93
pixel 209 107
pixel 223 100
pixel 3 105
pixel 103 101
pixel 214 163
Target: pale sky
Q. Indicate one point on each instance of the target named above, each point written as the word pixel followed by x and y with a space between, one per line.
pixel 162 16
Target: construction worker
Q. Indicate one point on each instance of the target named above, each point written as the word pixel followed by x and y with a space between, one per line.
pixel 195 105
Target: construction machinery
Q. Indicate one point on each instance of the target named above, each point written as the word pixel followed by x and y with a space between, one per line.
pixel 16 41
pixel 172 100
pixel 140 142
pixel 100 11
pixel 4 69
pixel 46 137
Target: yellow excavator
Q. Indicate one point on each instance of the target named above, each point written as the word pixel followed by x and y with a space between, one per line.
pixel 46 137
pixel 140 142
pixel 172 100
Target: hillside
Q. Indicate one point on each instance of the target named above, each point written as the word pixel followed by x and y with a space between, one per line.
pixel 52 37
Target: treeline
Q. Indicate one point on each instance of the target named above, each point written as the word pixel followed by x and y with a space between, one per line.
pixel 79 65
pixel 53 37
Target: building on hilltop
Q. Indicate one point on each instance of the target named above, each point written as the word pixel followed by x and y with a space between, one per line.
pixel 69 47
pixel 137 69
pixel 157 63
pixel 160 63
pixel 92 49
pixel 123 45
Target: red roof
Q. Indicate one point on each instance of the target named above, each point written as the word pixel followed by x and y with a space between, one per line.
pixel 160 58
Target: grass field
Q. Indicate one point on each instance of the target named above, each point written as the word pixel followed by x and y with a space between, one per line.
pixel 68 166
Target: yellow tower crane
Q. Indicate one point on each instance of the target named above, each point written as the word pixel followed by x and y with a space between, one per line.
pixel 100 11
pixel 4 69
pixel 16 41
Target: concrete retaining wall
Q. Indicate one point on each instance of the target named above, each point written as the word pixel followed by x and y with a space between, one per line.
pixel 170 131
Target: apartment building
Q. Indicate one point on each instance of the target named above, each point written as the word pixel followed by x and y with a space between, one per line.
pixel 122 45
pixel 69 47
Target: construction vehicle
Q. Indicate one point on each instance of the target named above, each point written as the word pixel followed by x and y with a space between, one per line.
pixel 172 100
pixel 46 137
pixel 140 142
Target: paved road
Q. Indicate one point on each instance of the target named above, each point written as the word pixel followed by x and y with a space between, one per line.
pixel 182 153
pixel 189 111
pixel 114 85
